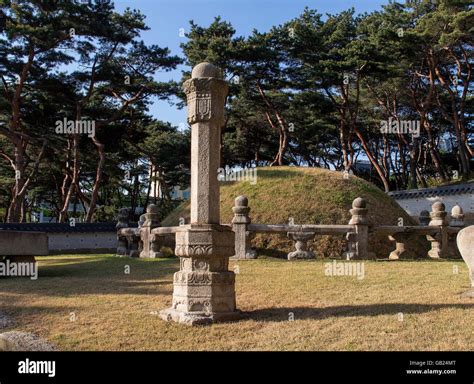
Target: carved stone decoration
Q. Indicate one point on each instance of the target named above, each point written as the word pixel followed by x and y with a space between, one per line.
pixel 465 241
pixel 204 288
pixel 301 244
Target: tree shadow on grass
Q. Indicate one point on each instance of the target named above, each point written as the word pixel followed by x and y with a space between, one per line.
pixel 306 313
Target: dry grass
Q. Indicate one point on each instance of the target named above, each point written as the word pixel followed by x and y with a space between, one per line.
pixel 112 309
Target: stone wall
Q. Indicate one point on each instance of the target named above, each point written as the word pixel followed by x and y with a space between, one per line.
pixel 17 243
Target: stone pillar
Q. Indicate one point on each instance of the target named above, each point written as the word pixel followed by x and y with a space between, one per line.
pixel 204 288
pixel 465 241
pixel 439 241
pixel 150 242
pixel 301 245
pixel 359 248
pixel 240 223
pixel 122 247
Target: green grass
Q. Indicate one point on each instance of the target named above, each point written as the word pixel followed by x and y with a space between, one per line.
pixel 112 310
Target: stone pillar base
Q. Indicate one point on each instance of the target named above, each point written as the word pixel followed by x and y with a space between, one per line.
pixel 203 288
pixel 301 255
pixel 198 318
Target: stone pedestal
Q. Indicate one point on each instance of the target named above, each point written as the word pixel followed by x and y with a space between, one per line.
pixel 401 250
pixel 204 288
pixel 301 244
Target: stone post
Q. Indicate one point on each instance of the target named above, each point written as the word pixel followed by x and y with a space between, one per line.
pixel 301 245
pixel 150 242
pixel 122 247
pixel 439 240
pixel 359 248
pixel 456 223
pixel 240 223
pixel 465 241
pixel 204 288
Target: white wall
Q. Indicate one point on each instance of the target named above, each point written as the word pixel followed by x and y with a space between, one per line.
pixel 415 205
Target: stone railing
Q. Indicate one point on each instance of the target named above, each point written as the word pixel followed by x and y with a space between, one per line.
pixel 434 226
pixel 146 240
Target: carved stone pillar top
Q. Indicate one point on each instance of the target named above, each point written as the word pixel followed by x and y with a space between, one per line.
pixel 359 212
pixel 206 93
pixel 122 219
pixel 152 216
pixel 457 217
pixel 241 210
pixel 438 214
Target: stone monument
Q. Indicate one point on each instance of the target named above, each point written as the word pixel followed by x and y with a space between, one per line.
pixel 204 288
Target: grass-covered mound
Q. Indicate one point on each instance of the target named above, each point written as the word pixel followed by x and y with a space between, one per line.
pixel 309 196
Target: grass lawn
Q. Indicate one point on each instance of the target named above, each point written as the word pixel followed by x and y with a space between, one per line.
pixel 88 303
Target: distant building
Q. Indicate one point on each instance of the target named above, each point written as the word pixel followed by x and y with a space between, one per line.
pixel 362 166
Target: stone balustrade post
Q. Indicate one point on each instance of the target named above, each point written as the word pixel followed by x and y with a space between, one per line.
pixel 438 240
pixel 240 223
pixel 456 222
pixel 150 242
pixel 360 219
pixel 122 222
pixel 204 288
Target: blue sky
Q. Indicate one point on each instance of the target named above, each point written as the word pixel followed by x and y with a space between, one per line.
pixel 166 17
